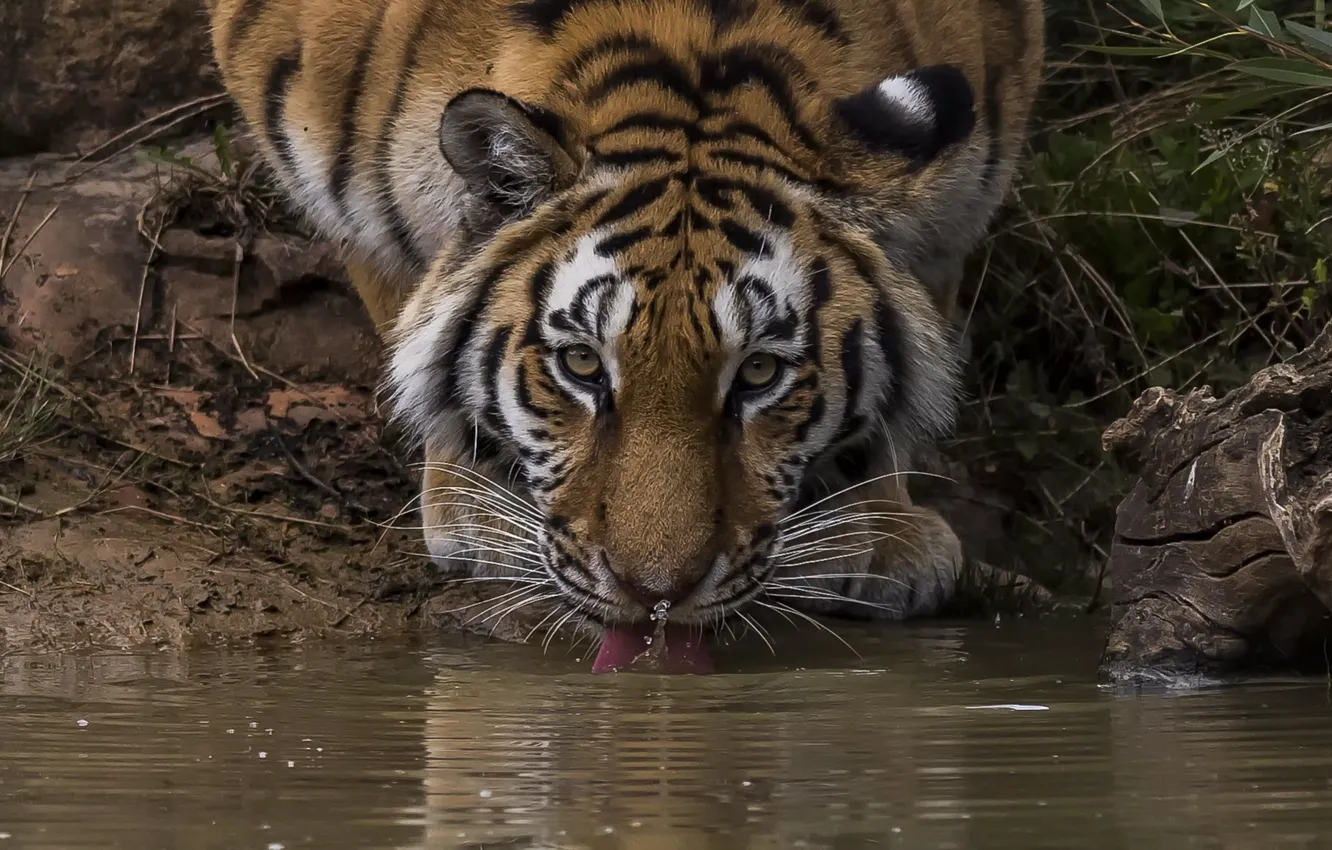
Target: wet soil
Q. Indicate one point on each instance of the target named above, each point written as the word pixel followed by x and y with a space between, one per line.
pixel 213 467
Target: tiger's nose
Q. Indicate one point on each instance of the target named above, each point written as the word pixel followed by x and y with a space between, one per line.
pixel 652 593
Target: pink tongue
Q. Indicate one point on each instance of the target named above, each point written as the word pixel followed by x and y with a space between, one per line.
pixel 686 650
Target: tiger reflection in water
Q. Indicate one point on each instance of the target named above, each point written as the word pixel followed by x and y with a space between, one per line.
pixel 648 764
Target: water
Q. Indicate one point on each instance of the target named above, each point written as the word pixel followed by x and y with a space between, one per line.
pixel 467 744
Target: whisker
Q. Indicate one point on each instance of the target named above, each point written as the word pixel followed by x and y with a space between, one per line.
pixel 824 525
pixel 778 606
pixel 499 490
pixel 520 606
pixel 829 596
pixel 481 500
pixel 463 522
pixel 860 484
pixel 480 544
pixel 550 635
pixel 500 564
pixel 758 630
pixel 796 564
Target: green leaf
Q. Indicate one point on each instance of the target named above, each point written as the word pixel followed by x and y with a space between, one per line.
pixel 1214 109
pixel 1265 23
pixel 1114 50
pixel 1177 218
pixel 222 147
pixel 1285 71
pixel 1321 128
pixel 1154 6
pixel 1243 4
pixel 1314 38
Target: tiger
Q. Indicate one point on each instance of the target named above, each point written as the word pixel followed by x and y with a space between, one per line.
pixel 668 288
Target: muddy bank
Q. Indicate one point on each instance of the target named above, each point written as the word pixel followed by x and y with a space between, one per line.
pixel 194 453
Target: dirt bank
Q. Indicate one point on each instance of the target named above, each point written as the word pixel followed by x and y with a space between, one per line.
pixel 193 452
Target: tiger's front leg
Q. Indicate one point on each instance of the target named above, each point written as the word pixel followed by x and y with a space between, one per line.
pixel 867 554
pixel 474 523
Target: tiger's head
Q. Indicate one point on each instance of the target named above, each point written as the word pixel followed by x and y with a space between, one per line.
pixel 661 330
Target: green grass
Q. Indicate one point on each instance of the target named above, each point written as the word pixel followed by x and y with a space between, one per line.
pixel 1172 227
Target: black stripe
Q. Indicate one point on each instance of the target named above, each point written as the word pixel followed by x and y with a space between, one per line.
pixel 633 202
pixel 450 359
pixel 538 290
pixel 651 121
pixel 741 158
pixel 819 15
pixel 817 408
pixel 432 20
pixel 745 240
pixel 853 374
pixel 275 105
pixel 889 337
pixel 545 16
pixel 491 364
pixel 820 282
pixel 640 156
pixel 241 24
pixel 340 178
pixel 613 245
pixel 605 46
pixel 757 293
pixel 728 14
pixel 770 68
pixel 525 395
pixel 768 206
pixel 663 72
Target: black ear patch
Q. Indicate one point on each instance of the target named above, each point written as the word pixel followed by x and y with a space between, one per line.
pixel 917 114
pixel 508 152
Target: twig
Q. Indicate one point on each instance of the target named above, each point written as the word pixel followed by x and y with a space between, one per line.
pixel 19 506
pixel 143 285
pixel 235 297
pixel 4 269
pixel 27 593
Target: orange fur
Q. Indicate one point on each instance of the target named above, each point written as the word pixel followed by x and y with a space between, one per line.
pixel 347 96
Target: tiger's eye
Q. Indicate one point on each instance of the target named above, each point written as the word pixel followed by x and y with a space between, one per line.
pixel 582 362
pixel 758 371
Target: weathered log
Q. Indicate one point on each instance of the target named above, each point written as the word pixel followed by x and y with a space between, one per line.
pixel 1222 558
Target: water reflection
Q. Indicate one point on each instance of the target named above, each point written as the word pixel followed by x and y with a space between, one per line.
pixel 466 746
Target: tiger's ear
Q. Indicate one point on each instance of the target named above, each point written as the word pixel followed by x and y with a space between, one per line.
pixel 509 153
pixel 916 115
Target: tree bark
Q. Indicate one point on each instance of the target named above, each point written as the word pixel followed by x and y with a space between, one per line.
pixel 1222 558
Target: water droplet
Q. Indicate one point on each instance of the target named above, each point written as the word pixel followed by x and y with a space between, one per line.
pixel 263 755
pixel 81 723
pixel 486 793
pixel 661 609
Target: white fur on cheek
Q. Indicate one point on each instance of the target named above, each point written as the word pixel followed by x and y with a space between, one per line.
pixel 414 373
pixel 909 96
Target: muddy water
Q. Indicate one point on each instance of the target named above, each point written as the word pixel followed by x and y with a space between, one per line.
pixel 972 737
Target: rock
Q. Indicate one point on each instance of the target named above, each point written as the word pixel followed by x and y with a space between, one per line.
pixel 75 72
pixel 84 277
pixel 1222 559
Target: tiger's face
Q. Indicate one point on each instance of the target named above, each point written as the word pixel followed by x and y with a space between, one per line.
pixel 657 359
